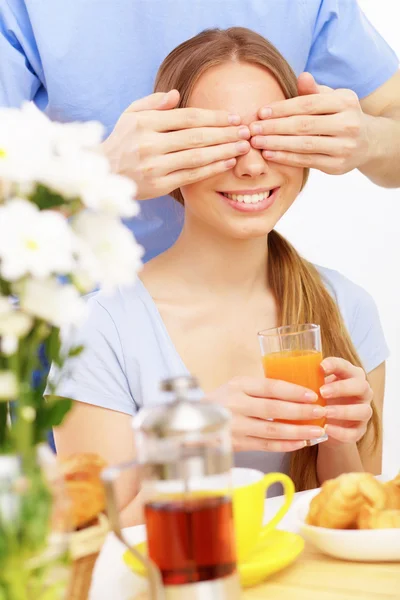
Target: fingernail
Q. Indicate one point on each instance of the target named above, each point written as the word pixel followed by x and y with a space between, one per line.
pixel 242 146
pixel 319 411
pixel 265 113
pixel 326 391
pixel 231 162
pixel 164 100
pixel 234 119
pixel 311 396
pixel 244 133
pixel 327 366
pixel 268 153
pixel 256 129
pixel 316 432
pixel 257 142
pixel 331 411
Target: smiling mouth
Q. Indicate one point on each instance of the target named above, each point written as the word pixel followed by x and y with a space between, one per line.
pixel 249 198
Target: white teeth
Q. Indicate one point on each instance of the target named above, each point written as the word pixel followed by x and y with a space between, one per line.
pixel 249 198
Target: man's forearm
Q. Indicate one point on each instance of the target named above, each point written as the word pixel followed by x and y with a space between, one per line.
pixel 383 165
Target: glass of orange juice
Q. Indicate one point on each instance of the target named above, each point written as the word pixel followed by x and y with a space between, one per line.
pixel 293 353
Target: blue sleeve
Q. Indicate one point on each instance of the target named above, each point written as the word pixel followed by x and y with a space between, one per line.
pixel 19 60
pixel 366 332
pixel 347 51
pixel 97 375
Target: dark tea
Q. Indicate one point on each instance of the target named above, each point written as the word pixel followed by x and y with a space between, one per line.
pixel 191 540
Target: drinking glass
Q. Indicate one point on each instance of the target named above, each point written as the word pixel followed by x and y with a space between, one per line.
pixel 293 353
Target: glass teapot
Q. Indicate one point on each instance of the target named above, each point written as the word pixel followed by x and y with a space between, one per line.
pixel 184 455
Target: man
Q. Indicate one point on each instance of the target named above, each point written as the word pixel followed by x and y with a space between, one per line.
pixel 94 59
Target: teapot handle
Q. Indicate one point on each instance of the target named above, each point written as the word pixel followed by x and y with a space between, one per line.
pixel 108 476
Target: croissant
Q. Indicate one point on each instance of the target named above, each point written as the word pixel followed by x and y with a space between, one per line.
pixel 84 487
pixel 393 493
pixel 338 504
pixel 371 518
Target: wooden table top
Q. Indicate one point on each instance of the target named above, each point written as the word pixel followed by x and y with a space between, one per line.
pixel 315 576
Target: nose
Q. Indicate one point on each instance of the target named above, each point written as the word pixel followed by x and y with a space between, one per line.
pixel 251 164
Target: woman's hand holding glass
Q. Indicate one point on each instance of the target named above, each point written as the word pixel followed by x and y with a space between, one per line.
pixel 348 396
pixel 259 405
pixel 254 402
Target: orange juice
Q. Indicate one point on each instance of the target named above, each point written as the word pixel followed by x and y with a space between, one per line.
pixel 302 367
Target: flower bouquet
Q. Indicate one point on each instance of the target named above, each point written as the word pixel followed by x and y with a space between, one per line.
pixel 61 236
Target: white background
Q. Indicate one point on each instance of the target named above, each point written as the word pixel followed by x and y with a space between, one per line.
pixel 349 224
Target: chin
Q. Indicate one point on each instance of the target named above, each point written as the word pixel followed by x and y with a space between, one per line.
pixel 249 231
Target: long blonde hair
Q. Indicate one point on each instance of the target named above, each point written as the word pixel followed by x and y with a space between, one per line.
pixel 299 290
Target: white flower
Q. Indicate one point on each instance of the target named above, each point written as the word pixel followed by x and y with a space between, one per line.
pixel 33 242
pixel 35 149
pixel 8 344
pixel 69 138
pixel 8 385
pixel 13 322
pixel 25 143
pixel 87 176
pixel 56 303
pixel 69 175
pixel 113 195
pixel 108 253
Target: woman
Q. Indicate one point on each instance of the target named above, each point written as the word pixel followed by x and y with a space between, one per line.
pixel 198 306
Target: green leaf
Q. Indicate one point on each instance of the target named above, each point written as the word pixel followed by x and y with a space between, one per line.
pixel 45 198
pixel 51 414
pixel 75 351
pixel 53 347
pixel 3 424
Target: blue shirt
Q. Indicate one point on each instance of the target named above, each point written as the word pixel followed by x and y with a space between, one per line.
pixel 90 59
pixel 128 351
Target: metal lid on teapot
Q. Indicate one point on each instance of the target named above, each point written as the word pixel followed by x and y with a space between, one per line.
pixel 183 415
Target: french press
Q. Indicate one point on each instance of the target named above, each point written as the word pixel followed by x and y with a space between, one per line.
pixel 184 453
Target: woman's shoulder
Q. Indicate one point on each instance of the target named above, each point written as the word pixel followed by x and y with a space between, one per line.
pixel 360 315
pixel 342 288
pixel 125 304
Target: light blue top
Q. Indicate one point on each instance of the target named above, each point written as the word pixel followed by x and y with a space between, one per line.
pixel 128 351
pixel 89 59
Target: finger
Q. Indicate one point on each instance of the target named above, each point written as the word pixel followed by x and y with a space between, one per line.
pixel 273 388
pixel 345 435
pixel 186 118
pixel 157 101
pixel 274 430
pixel 313 104
pixel 324 89
pixel 298 125
pixel 342 368
pixel 187 176
pixel 356 387
pixel 323 162
pixel 200 137
pixel 192 159
pixel 306 84
pixel 349 412
pixel 330 379
pixel 248 444
pixel 309 144
pixel 288 411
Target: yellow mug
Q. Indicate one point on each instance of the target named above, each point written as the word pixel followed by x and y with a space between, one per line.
pixel 249 490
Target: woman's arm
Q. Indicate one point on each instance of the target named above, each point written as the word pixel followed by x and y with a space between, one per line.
pixel 90 428
pixel 339 458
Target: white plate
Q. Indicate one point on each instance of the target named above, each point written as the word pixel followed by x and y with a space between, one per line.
pixel 370 545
